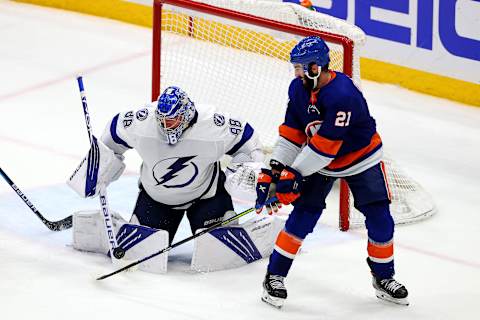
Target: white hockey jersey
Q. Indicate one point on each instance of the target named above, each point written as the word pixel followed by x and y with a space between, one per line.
pixel 178 174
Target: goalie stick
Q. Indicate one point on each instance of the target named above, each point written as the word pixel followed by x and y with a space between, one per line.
pixel 60 225
pixel 170 247
pixel 115 251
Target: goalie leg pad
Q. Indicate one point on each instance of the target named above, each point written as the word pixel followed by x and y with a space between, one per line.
pixel 232 247
pixel 137 241
pixel 141 241
pixel 89 231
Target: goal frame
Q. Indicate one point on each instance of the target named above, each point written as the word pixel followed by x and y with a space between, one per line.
pixel 345 42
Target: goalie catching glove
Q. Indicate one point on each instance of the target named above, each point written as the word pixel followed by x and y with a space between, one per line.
pixel 100 167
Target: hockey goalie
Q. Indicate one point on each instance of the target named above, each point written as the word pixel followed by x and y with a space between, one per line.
pixel 181 146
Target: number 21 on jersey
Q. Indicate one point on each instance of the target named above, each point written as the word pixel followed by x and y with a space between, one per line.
pixel 343 119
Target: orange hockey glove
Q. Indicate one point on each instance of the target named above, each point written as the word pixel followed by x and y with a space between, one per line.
pixel 289 186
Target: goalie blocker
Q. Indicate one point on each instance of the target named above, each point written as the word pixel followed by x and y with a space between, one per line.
pixel 100 167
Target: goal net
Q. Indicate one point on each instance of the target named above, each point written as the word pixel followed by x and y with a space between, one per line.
pixel 234 54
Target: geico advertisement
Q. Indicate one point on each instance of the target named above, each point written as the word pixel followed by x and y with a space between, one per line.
pixel 437 36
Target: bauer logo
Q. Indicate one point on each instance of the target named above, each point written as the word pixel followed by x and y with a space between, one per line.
pixel 24 198
pixel 238 240
pixel 77 169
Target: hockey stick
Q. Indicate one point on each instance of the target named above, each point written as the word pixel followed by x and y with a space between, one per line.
pixel 115 251
pixel 170 247
pixel 52 225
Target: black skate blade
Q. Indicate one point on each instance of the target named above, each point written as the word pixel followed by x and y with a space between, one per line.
pixel 386 297
pixel 272 301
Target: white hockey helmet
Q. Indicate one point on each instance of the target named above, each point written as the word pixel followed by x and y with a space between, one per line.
pixel 175 113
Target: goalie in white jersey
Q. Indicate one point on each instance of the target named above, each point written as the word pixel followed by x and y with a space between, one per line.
pixel 180 145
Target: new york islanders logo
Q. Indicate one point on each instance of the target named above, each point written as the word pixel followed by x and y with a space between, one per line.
pixel 312 128
pixel 177 172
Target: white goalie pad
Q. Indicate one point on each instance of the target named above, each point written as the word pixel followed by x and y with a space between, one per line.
pixel 241 180
pixel 232 247
pixel 137 241
pixel 100 167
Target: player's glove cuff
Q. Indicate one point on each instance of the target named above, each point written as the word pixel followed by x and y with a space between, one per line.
pixel 276 166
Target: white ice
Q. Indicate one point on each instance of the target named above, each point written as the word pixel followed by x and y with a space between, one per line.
pixel 43 138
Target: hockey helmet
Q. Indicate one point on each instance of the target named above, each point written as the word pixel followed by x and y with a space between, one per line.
pixel 175 112
pixel 309 50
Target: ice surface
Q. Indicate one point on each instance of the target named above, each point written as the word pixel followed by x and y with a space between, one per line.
pixel 43 138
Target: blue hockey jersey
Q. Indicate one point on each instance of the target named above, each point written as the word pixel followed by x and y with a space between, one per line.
pixel 329 130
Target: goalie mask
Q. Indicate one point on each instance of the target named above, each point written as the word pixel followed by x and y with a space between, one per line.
pixel 308 52
pixel 175 113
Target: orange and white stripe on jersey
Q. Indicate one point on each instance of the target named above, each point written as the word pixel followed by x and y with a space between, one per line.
pixel 295 136
pixel 381 252
pixel 326 147
pixel 352 157
pixel 287 245
pixel 384 172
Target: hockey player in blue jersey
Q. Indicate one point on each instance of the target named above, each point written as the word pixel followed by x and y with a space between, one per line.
pixel 327 133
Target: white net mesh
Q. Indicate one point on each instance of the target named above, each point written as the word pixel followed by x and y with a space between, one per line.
pixel 243 69
pixel 410 201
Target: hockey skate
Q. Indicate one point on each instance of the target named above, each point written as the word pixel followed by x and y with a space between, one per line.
pixel 274 291
pixel 390 290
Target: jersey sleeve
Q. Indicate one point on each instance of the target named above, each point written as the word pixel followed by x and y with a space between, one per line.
pixel 240 138
pixel 291 136
pixel 116 135
pixel 324 145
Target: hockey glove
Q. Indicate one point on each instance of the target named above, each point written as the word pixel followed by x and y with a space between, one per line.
pixel 265 190
pixel 289 186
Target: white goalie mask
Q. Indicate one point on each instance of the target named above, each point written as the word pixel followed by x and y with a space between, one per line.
pixel 175 113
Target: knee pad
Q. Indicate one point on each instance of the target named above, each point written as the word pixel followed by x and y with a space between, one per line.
pixel 301 222
pixel 378 220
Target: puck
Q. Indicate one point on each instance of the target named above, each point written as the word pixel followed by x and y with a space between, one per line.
pixel 118 253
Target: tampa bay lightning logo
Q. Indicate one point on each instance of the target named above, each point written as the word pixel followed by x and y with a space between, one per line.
pixel 218 119
pixel 175 172
pixel 142 114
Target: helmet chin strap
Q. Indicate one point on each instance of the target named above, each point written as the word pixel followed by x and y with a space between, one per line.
pixel 311 81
